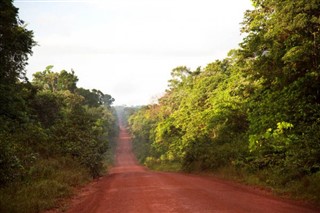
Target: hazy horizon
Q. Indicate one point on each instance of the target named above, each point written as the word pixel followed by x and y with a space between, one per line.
pixel 127 49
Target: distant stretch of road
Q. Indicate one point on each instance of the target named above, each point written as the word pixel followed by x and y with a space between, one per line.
pixel 130 188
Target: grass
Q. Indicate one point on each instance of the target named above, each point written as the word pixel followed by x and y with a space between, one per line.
pixel 305 188
pixel 162 165
pixel 169 166
pixel 110 154
pixel 49 180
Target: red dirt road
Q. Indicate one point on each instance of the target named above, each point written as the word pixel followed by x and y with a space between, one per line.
pixel 131 188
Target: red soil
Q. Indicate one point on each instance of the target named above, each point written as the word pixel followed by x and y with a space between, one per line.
pixel 132 188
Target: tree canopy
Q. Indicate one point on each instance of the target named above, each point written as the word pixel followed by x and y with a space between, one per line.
pixel 256 111
pixel 53 135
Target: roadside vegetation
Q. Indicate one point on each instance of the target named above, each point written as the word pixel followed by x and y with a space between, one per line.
pixel 253 116
pixel 53 134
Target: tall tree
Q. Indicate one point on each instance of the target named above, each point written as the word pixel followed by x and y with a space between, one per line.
pixel 282 53
pixel 283 41
pixel 16 43
pixel 53 81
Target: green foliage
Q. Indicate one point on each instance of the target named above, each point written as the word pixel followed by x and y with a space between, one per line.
pixel 16 43
pixel 45 119
pixel 53 135
pixel 276 139
pixel 47 107
pixel 124 112
pixel 48 180
pixel 193 129
pixel 19 150
pixel 95 98
pixel 281 52
pixel 79 126
pixel 52 81
pixel 162 165
pixel 255 113
pixel 141 127
pixel 53 123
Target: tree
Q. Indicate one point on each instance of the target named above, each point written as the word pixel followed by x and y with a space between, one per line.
pixel 283 41
pixel 256 112
pixel 281 53
pixel 80 121
pixel 53 81
pixel 95 98
pixel 16 43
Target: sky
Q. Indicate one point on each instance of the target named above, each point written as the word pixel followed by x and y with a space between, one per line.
pixel 127 48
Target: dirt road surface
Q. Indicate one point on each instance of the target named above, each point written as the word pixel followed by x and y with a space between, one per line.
pixel 130 188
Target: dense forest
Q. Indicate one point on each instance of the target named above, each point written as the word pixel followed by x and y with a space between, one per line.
pixel 53 134
pixel 254 115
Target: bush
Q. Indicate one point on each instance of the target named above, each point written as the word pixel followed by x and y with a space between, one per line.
pixel 48 181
